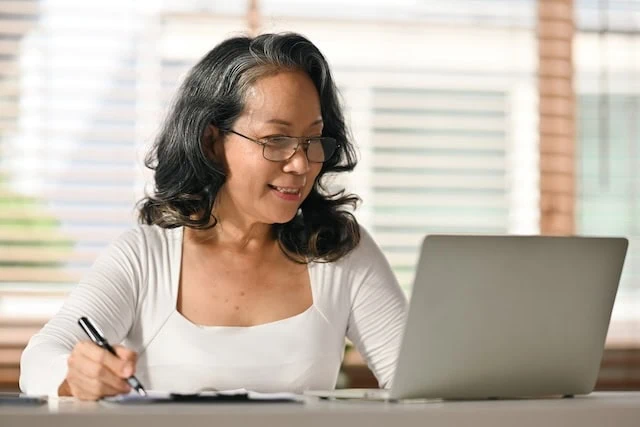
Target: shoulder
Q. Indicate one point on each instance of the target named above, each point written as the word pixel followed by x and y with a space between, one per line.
pixel 141 246
pixel 364 260
pixel 142 238
pixel 354 279
pixel 365 252
pixel 137 254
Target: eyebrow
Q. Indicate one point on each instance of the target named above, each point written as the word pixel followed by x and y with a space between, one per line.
pixel 286 123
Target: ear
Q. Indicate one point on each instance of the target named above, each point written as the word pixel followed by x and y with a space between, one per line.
pixel 212 144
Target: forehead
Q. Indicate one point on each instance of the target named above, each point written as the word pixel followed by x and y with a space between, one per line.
pixel 286 95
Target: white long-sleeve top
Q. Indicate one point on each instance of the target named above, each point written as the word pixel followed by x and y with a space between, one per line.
pixel 131 293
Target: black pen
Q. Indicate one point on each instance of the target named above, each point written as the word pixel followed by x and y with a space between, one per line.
pixel 94 334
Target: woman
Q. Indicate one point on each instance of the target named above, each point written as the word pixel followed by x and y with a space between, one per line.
pixel 246 272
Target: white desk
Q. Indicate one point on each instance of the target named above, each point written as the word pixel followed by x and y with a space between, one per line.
pixel 598 409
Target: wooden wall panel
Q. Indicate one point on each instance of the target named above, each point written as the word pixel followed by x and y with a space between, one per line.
pixel 557 117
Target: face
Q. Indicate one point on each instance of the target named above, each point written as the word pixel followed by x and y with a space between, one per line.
pixel 259 190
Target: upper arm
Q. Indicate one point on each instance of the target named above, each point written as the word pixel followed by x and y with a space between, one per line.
pixel 378 309
pixel 107 294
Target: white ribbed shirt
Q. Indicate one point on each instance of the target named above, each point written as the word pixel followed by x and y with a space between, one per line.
pixel 131 293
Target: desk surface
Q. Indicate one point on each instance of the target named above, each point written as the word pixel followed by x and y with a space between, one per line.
pixel 597 409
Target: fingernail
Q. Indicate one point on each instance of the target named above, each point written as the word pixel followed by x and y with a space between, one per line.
pixel 127 371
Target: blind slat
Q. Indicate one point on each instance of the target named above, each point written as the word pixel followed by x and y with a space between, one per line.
pixel 14 27
pixel 46 255
pixel 437 122
pixel 454 162
pixel 437 140
pixel 88 195
pixel 442 201
pixel 24 7
pixel 40 274
pixel 412 181
pixel 124 155
pixel 9 47
pixel 77 234
pixel 73 214
pixel 8 67
pixel 457 220
pixel 435 103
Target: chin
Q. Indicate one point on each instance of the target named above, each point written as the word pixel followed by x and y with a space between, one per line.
pixel 282 220
pixel 284 217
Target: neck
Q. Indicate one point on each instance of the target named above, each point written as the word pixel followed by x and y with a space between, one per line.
pixel 234 232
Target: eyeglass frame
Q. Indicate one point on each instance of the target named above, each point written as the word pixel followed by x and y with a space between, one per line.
pixel 301 140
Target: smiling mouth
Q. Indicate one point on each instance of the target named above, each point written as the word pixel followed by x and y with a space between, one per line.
pixel 286 190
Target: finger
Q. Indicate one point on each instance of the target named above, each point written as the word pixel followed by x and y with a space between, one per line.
pixel 122 368
pixel 81 390
pixel 89 369
pixel 126 354
pixel 80 393
pixel 89 388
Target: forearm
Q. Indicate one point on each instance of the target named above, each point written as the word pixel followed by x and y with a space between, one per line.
pixel 43 367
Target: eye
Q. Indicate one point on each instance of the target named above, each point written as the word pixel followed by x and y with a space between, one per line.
pixel 278 140
pixel 313 139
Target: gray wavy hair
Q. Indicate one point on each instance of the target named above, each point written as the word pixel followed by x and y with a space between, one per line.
pixel 187 181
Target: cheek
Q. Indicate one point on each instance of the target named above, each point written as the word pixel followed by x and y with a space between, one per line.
pixel 246 168
pixel 248 177
pixel 315 170
pixel 313 175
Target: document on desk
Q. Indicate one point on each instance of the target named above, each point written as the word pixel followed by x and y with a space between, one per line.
pixel 10 398
pixel 227 396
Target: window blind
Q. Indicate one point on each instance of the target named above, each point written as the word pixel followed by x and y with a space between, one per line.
pixel 607 64
pixel 68 157
pixel 609 196
pixel 78 112
pixel 82 110
pixel 439 166
pixel 71 110
pixel 440 98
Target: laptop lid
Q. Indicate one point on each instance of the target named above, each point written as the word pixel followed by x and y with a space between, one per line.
pixel 508 316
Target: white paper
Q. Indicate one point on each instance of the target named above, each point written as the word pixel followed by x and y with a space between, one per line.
pixel 153 396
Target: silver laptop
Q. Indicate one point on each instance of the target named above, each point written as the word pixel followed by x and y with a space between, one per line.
pixel 505 317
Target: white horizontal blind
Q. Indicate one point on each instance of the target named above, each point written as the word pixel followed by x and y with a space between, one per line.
pixel 439 166
pixel 607 63
pixel 70 152
pixel 436 136
pixel 610 183
pixel 440 96
pixel 18 214
pixel 67 153
pixel 436 151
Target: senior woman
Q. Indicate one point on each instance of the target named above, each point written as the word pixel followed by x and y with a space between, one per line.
pixel 245 272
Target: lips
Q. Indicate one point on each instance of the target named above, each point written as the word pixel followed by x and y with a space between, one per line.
pixel 287 190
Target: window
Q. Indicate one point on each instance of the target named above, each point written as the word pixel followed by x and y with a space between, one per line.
pixel 607 61
pixel 441 98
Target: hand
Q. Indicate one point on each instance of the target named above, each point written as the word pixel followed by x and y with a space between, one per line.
pixel 94 372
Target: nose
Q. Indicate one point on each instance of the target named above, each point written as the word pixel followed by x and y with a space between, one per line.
pixel 298 163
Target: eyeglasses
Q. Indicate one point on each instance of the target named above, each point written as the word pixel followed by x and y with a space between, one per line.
pixel 319 149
